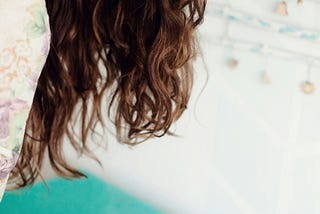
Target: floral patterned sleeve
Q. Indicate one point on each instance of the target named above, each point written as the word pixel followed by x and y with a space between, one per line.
pixel 24 46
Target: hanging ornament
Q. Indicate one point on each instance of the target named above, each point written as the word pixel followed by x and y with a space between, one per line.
pixel 233 63
pixel 282 9
pixel 307 87
pixel 265 75
pixel 300 2
pixel 266 78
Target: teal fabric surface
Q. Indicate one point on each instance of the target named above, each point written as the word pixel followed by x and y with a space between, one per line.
pixel 77 196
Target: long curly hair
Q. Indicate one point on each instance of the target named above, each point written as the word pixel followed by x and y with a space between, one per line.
pixel 146 49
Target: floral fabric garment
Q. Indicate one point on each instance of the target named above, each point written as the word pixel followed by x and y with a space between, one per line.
pixel 24 46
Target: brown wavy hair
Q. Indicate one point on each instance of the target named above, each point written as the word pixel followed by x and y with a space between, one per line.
pixel 146 49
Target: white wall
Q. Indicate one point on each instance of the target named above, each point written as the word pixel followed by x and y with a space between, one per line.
pixel 245 147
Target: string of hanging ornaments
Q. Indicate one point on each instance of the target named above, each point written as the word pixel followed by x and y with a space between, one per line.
pixel 307 86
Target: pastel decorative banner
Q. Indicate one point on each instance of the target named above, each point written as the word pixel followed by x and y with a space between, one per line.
pixel 239 16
